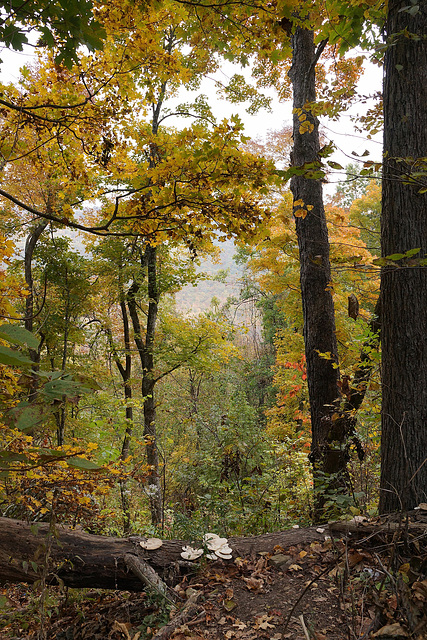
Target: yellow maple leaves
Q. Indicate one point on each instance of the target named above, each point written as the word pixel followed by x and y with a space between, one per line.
pixel 300 209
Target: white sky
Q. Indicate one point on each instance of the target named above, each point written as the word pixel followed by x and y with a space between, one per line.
pixel 342 132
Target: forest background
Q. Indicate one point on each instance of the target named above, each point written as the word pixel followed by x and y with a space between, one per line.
pixel 122 412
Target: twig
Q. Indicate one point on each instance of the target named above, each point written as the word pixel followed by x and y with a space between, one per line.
pixel 304 628
pixel 319 575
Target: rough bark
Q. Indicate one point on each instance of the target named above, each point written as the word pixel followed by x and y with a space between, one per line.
pixel 327 453
pixel 125 373
pixel 83 560
pixel 147 388
pixel 30 245
pixel 145 347
pixel 404 286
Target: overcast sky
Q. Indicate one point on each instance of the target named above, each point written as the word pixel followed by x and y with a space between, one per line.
pixel 342 132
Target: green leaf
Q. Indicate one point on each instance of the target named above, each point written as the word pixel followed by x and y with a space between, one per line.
pixel 414 10
pixel 26 416
pixel 82 463
pixel 334 165
pixel 18 335
pixel 87 382
pixel 11 456
pixel 13 358
pixel 395 256
pixel 56 389
pixel 412 252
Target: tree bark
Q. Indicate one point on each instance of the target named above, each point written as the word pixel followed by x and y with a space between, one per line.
pixel 125 372
pixel 145 349
pixel 147 388
pixel 404 285
pixel 327 451
pixel 30 245
pixel 83 560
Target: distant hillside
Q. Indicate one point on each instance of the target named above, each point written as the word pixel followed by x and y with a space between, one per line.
pixel 197 299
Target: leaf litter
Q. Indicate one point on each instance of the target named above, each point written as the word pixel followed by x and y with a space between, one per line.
pixel 319 591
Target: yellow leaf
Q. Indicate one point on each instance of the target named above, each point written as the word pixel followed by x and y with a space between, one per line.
pixel 300 213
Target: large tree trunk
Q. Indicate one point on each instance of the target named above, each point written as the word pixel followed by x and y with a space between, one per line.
pixel 83 560
pixel 404 286
pixel 327 453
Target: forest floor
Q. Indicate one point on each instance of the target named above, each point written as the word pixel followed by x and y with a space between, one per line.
pixel 330 590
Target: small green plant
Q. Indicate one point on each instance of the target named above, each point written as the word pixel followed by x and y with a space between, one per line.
pixel 158 618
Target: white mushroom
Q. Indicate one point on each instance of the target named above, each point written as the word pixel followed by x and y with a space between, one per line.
pixel 216 543
pixel 210 536
pixel 224 549
pixel 225 553
pixel 151 543
pixel 189 553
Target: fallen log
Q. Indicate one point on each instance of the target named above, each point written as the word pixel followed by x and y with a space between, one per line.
pixel 79 559
pixel 412 524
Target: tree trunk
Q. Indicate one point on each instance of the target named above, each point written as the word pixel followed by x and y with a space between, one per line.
pixel 327 452
pixel 154 484
pixel 30 245
pixel 146 354
pixel 125 372
pixel 404 286
pixel 82 560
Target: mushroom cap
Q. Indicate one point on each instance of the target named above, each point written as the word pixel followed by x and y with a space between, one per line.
pixel 225 553
pixel 224 549
pixel 216 543
pixel 151 543
pixel 189 553
pixel 210 536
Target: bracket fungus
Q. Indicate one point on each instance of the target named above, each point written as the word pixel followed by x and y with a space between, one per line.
pixel 151 543
pixel 214 546
pixel 189 553
pixel 217 547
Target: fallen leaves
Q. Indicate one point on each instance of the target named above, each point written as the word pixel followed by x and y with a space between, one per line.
pixel 263 622
pixel 124 628
pixel 254 584
pixel 391 631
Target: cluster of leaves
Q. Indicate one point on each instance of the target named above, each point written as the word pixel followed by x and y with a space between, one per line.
pixel 92 141
pixel 60 25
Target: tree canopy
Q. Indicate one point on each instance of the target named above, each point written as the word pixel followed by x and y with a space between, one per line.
pixel 108 135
